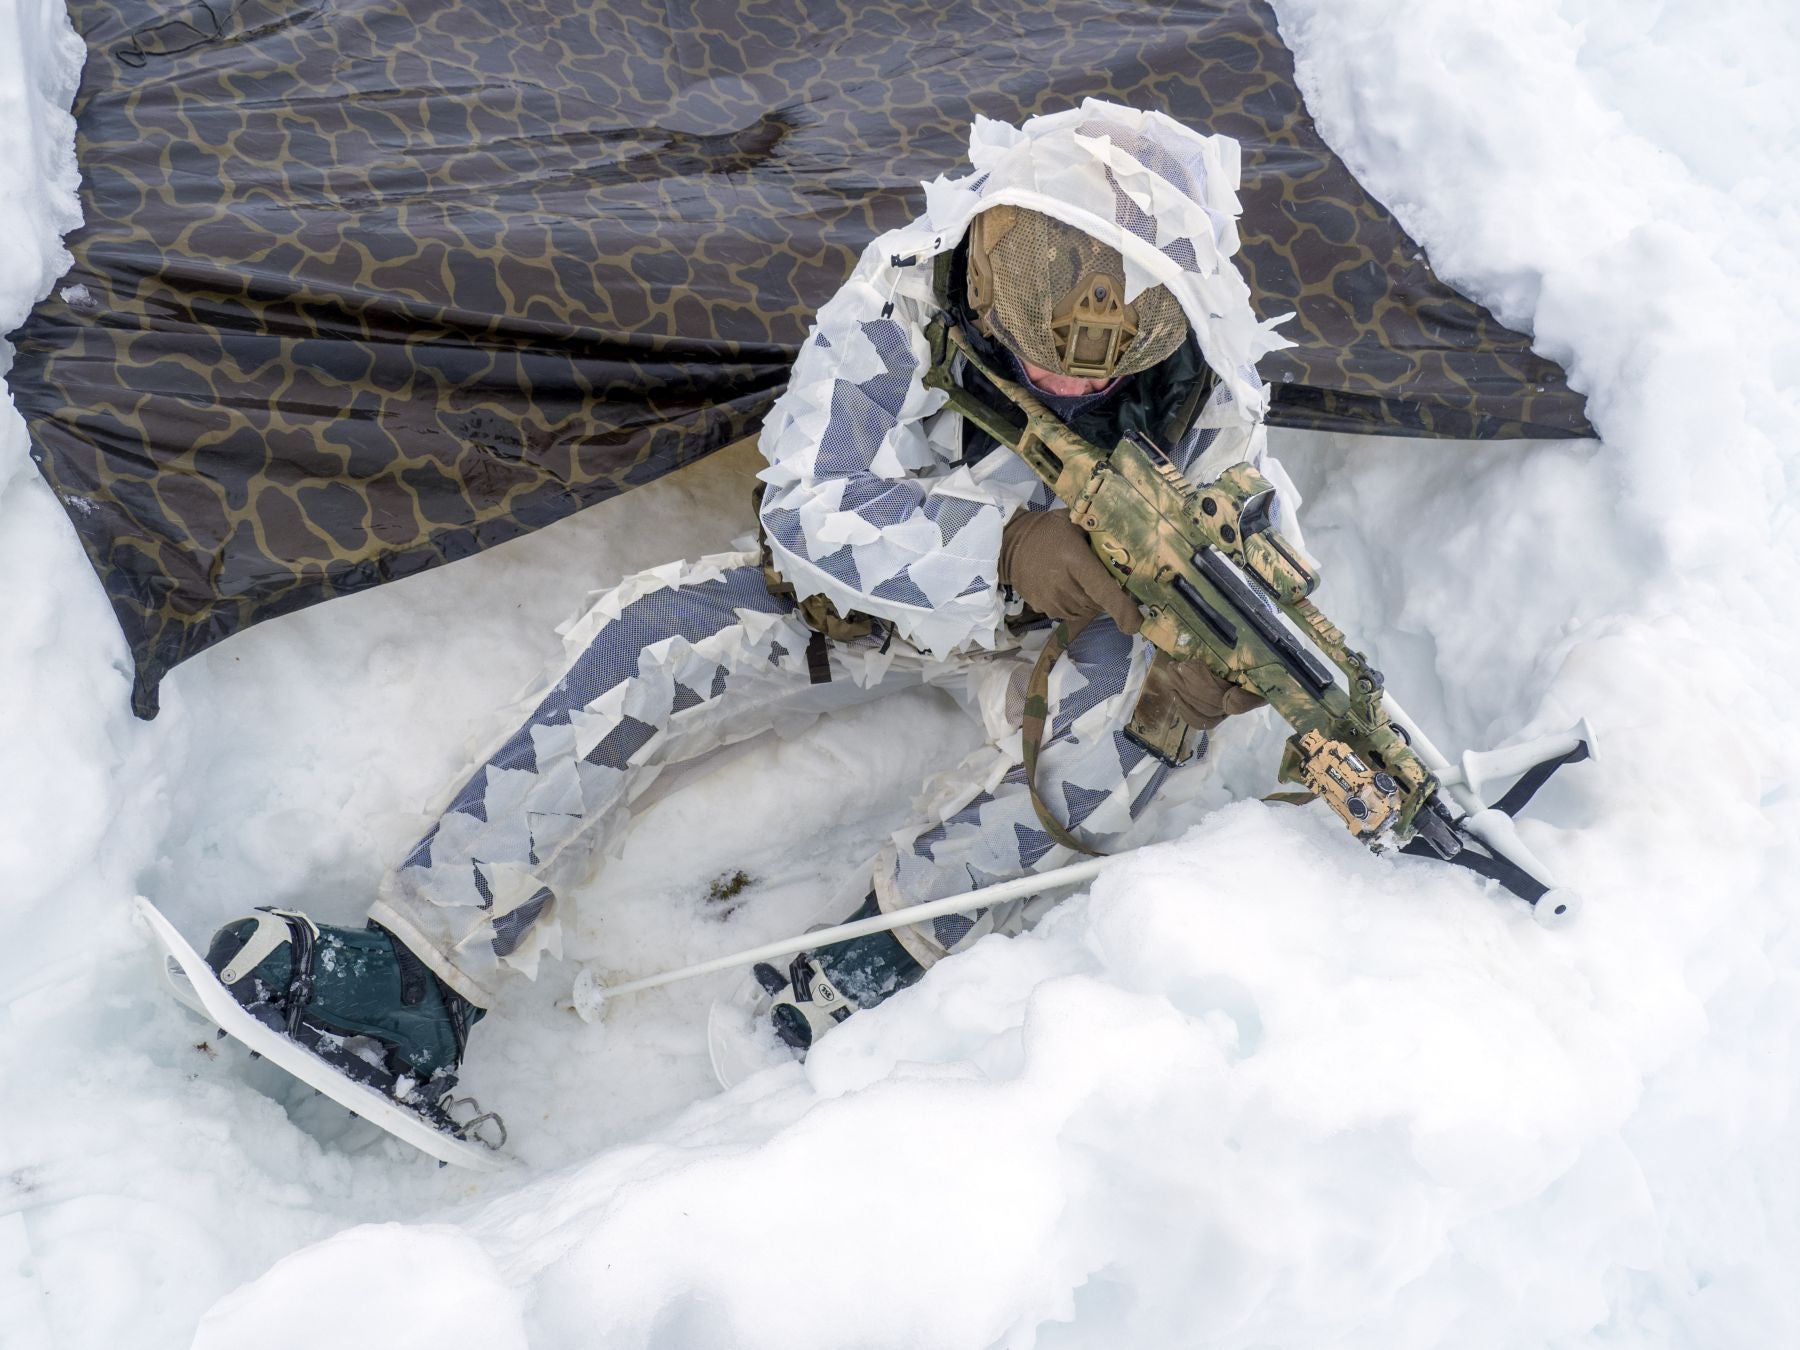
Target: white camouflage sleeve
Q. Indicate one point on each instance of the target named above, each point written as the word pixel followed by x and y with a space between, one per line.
pixel 866 503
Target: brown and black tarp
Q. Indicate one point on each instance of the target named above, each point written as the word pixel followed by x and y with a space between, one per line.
pixel 365 286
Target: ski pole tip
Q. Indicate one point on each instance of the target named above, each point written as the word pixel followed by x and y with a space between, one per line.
pixel 588 996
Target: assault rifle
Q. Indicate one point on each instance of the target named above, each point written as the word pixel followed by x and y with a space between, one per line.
pixel 1215 581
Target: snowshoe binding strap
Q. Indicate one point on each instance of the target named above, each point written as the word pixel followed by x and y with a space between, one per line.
pixel 273 928
pixel 805 1004
pixel 271 931
pixel 300 988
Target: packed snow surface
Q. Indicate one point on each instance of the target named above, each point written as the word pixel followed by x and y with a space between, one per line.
pixel 1256 1088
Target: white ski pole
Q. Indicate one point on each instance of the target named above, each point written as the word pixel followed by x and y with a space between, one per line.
pixel 590 994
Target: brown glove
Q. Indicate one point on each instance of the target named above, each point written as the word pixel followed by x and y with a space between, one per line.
pixel 1201 697
pixel 1047 559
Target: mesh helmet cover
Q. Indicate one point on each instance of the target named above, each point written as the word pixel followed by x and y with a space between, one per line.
pixel 1055 296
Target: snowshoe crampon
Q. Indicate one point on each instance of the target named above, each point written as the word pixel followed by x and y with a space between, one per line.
pixel 426 1123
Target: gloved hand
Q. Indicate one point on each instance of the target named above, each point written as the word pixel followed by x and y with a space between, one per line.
pixel 1202 698
pixel 1047 559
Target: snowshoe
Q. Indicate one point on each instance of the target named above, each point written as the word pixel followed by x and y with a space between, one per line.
pixel 821 988
pixel 351 1012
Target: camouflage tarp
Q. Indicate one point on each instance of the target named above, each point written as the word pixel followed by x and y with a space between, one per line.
pixel 368 285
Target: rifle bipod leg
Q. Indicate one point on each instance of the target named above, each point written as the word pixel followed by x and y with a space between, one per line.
pixel 1507 859
pixel 1497 867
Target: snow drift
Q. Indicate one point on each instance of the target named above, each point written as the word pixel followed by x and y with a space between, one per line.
pixel 1256 1088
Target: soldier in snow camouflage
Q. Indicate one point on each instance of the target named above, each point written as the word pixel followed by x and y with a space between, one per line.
pixel 1087 254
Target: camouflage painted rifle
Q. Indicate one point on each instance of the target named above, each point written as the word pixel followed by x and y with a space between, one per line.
pixel 1215 581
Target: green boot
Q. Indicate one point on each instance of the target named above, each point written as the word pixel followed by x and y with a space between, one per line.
pixel 354 997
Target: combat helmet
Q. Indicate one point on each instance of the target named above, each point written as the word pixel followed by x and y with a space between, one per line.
pixel 1055 296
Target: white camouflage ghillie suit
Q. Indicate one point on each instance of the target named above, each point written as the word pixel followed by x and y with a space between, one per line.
pixel 870 504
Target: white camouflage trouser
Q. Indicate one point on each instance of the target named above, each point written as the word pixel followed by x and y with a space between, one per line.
pixel 686 658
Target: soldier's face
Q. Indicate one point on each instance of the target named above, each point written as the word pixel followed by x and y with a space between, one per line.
pixel 1063 386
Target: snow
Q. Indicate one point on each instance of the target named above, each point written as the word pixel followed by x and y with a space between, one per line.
pixel 1257 1088
pixel 469 1307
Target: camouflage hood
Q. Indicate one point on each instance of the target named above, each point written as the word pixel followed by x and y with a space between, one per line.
pixel 871 502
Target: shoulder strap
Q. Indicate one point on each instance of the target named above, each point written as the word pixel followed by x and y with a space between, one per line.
pixel 1031 736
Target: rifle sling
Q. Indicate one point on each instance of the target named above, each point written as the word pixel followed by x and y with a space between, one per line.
pixel 1031 735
